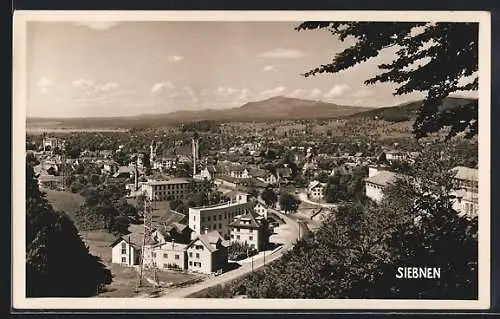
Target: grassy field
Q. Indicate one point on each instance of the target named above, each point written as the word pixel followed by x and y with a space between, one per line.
pixel 98 243
pixel 64 201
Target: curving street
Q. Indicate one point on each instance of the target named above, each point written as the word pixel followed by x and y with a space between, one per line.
pixel 286 235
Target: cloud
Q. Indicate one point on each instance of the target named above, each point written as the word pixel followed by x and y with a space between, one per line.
pixel 174 58
pixel 98 25
pixel 273 92
pixel 297 93
pixel 315 93
pixel 268 68
pixel 161 86
pixel 225 91
pixel 306 94
pixel 44 83
pixel 337 90
pixel 364 93
pixel 282 54
pixel 83 83
pixel 106 87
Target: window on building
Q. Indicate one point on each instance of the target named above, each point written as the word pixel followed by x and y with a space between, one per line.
pixel 124 260
pixel 250 238
pixel 220 217
pixel 220 225
pixel 165 256
pixel 194 217
pixel 176 257
pixel 237 229
pixel 197 255
pixel 190 263
pixel 232 236
pixel 202 219
pixel 154 255
pixel 208 218
pixel 190 254
pixel 199 265
pixel 237 236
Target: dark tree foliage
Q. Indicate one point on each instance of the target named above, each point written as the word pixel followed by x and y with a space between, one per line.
pixel 356 251
pixel 269 196
pixel 436 58
pixel 345 187
pixel 289 203
pixel 105 208
pixel 58 263
pixel 239 251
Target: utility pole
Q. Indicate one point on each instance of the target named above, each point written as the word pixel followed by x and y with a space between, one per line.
pixel 264 257
pixel 298 223
pixel 145 237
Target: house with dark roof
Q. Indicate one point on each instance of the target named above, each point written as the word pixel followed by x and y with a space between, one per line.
pixel 50 181
pixel 126 250
pixel 208 253
pixel 249 228
pixel 238 171
pixel 208 173
pixel 177 232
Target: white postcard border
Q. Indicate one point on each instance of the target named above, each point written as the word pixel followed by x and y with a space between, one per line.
pixel 21 18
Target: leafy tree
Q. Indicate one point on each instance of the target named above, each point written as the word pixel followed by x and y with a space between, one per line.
pixel 239 251
pixel 451 52
pixel 72 150
pixel 58 263
pixel 289 203
pixel 253 191
pixel 121 158
pixel 355 252
pixel 269 197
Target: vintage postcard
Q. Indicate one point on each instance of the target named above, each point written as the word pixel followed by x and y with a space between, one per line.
pixel 251 160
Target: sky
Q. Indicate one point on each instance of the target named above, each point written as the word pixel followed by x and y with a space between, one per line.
pixel 101 69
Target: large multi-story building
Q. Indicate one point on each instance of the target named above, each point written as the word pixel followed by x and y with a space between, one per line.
pixel 250 229
pixel 170 189
pixel 465 190
pixel 218 216
pixel 377 181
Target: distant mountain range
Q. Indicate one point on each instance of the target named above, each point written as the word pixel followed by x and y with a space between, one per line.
pixel 276 108
pixel 407 111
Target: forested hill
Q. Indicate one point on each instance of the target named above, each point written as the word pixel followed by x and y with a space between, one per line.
pixel 406 111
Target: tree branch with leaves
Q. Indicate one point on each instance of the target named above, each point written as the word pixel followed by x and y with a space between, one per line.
pixel 436 58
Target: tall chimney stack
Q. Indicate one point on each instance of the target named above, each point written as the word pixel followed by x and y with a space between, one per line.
pixel 136 177
pixel 195 154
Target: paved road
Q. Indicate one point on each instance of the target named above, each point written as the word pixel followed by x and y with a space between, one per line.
pixel 303 198
pixel 285 234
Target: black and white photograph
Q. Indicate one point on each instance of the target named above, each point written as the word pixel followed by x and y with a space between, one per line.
pixel 271 160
